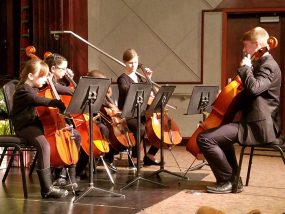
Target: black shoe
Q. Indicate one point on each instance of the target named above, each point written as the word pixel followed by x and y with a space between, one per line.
pixel 148 162
pixel 111 166
pixel 55 192
pixel 65 184
pixel 60 182
pixel 221 188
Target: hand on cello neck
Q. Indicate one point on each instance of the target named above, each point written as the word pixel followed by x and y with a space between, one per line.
pixel 246 60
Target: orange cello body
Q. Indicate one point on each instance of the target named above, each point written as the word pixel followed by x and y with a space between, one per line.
pixel 101 145
pixel 63 149
pixel 223 111
pixel 171 135
pixel 81 122
pixel 120 136
pixel 171 132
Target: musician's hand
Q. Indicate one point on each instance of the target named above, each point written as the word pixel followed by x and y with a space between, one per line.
pixel 115 110
pixel 246 61
pixel 148 72
pixel 59 104
pixel 109 92
pixel 70 73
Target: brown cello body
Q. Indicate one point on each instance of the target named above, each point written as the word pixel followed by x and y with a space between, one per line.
pixel 171 135
pixel 223 111
pixel 120 136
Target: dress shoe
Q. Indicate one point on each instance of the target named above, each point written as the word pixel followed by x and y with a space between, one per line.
pixel 65 184
pixel 221 188
pixel 61 182
pixel 148 162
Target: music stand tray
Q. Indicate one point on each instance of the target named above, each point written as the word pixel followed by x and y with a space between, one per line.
pixel 88 97
pixel 201 99
pixel 135 106
pixel 201 102
pixel 158 105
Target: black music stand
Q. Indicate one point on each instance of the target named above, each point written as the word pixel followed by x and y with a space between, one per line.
pixel 200 103
pixel 135 106
pixel 158 105
pixel 88 98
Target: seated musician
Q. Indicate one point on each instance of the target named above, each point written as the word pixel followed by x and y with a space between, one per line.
pixel 109 157
pixel 58 68
pixel 28 125
pixel 261 81
pixel 131 60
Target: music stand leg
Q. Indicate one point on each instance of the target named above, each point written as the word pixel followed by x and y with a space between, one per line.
pixel 161 149
pixel 196 167
pixel 162 169
pixel 138 175
pixel 91 162
pixel 107 169
pixel 131 160
pixel 70 182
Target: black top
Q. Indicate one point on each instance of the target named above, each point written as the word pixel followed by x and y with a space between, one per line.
pixel 25 101
pixel 124 84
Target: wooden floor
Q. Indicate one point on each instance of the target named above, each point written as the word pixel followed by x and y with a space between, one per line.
pixel 265 192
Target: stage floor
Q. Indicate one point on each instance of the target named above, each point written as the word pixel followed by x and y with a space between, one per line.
pixel 178 195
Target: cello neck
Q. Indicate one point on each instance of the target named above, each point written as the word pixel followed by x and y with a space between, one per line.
pixel 53 89
pixel 70 79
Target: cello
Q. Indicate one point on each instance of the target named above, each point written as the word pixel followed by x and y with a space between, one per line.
pixel 171 132
pixel 81 122
pixel 120 135
pixel 63 150
pixel 225 106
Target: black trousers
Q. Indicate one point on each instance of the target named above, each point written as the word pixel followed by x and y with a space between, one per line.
pixel 217 146
pixel 132 125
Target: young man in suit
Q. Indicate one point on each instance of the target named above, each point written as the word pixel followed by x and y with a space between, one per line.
pixel 259 122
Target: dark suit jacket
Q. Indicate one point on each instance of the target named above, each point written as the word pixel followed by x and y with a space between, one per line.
pixel 260 121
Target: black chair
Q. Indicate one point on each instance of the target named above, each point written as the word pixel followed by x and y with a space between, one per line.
pixel 13 143
pixel 275 146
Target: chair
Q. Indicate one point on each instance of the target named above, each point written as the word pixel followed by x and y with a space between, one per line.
pixel 275 146
pixel 12 143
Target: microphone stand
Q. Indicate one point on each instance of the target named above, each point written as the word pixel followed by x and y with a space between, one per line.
pixel 55 33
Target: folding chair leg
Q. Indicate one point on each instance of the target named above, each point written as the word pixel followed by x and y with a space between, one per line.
pixel 33 165
pixel 249 165
pixel 9 165
pixel 23 174
pixel 3 155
